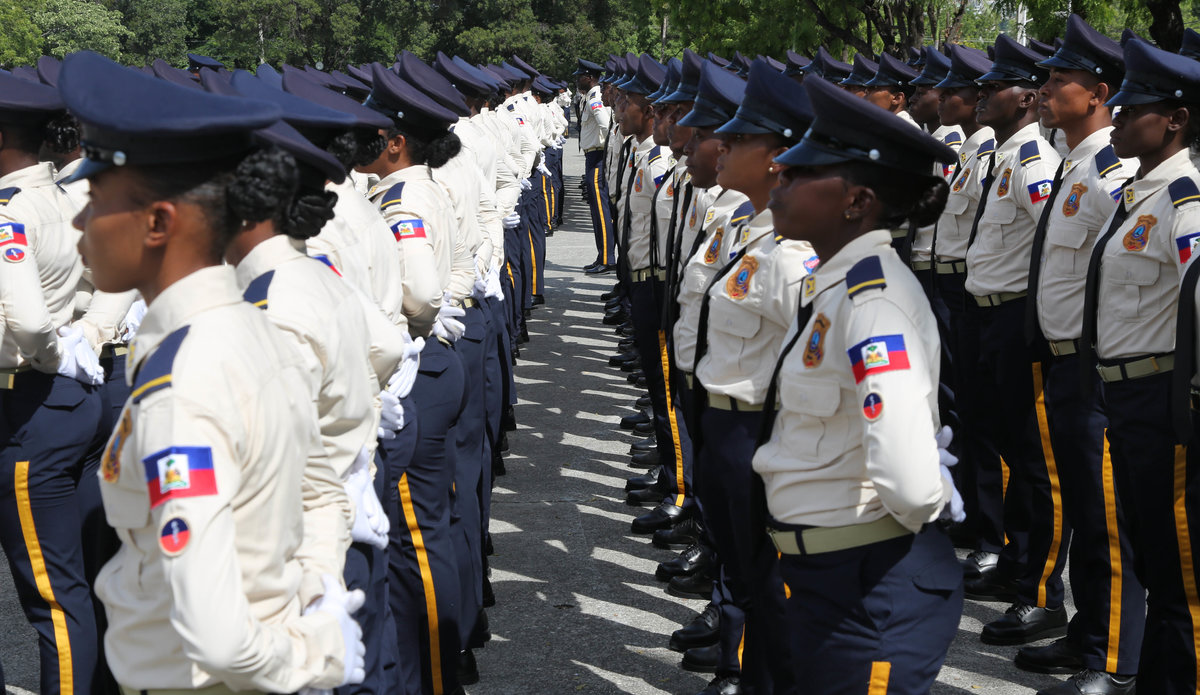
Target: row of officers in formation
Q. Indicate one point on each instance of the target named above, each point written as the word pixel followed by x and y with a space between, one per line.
pixel 258 333
pixel 885 309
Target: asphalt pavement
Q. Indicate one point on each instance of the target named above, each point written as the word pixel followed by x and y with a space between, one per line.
pixel 579 610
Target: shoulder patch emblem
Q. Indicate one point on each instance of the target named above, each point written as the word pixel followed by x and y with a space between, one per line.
pixel 814 348
pixel 14 254
pixel 810 286
pixel 637 182
pixel 692 220
pixel 1002 184
pixel 708 216
pixel 174 536
pixel 738 284
pixel 1040 191
pixel 409 229
pixel 872 407
pixel 180 471
pixel 1070 206
pixel 13 233
pixel 110 465
pixel 962 179
pixel 714 249
pixel 1137 238
pixel 1187 246
pixel 884 353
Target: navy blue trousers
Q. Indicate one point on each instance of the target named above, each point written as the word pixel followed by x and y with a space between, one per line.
pixel 596 192
pixel 470 452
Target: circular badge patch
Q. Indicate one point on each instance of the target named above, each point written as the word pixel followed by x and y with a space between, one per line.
pixel 174 536
pixel 872 407
pixel 14 255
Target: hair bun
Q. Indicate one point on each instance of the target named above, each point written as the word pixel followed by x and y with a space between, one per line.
pixel 309 212
pixel 263 186
pixel 928 206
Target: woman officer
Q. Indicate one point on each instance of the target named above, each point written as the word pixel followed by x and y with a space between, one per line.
pixel 850 463
pixel 199 479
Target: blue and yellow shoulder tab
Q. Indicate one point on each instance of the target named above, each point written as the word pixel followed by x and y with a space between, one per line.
pixel 6 194
pixel 953 139
pixel 393 197
pixel 1028 154
pixel 510 107
pixel 743 212
pixel 1183 191
pixel 1107 161
pixel 655 154
pixel 986 148
pixel 155 372
pixel 256 292
pixel 865 275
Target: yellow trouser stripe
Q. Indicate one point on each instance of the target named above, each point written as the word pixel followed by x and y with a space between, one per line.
pixel 533 261
pixel 600 216
pixel 1004 473
pixel 741 647
pixel 510 275
pixel 787 590
pixel 1114 559
pixel 1055 485
pixel 1184 537
pixel 546 201
pixel 881 673
pixel 666 368
pixel 414 530
pixel 62 639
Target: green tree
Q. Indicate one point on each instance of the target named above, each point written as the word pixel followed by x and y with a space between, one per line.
pixel 20 42
pixel 157 29
pixel 67 26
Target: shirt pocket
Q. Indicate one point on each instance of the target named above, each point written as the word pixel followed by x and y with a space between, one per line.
pixel 813 430
pixel 956 204
pixel 1134 281
pixel 996 226
pixel 1064 241
pixel 733 318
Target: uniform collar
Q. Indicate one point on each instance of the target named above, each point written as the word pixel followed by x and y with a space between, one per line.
pixel 1010 146
pixel 265 257
pixel 1175 166
pixel 40 174
pixel 971 144
pixel 205 289
pixel 1086 149
pixel 833 271
pixel 759 226
pixel 645 145
pixel 416 172
pixel 69 168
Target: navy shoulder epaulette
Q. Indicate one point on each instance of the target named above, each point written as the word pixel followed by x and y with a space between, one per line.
pixel 1182 191
pixel 952 138
pixel 865 275
pixel 256 291
pixel 6 194
pixel 510 107
pixel 1106 161
pixel 155 372
pixel 654 154
pixel 1028 154
pixel 743 212
pixel 392 197
pixel 986 148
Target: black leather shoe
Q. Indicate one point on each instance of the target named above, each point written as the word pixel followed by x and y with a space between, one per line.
pixel 621 358
pixel 634 419
pixel 643 497
pixel 703 631
pixel 643 481
pixel 625 328
pixel 644 401
pixel 645 459
pixel 647 444
pixel 468 670
pixel 1057 657
pixel 990 588
pixel 489 596
pixel 1022 624
pixel 591 265
pixel 702 659
pixel 698 585
pixel 613 303
pixel 980 563
pixel 626 345
pixel 538 300
pixel 615 318
pixel 695 558
pixel 664 515
pixel 641 382
pixel 635 375
pixel 602 269
pixel 631 365
pixel 524 337
pixel 682 534
pixel 645 429
pixel 609 294
pixel 723 685
pixel 1089 682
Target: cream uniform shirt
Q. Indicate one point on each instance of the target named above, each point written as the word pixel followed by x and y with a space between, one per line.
pixel 667 213
pixel 853 439
pixel 966 188
pixel 1143 261
pixel 1091 183
pixel 651 167
pixel 716 225
pixel 998 259
pixel 952 137
pixel 203 482
pixel 594 118
pixel 749 311
pixel 421 220
pixel 41 266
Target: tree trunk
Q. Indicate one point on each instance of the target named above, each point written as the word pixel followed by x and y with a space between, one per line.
pixel 837 31
pixel 1166 24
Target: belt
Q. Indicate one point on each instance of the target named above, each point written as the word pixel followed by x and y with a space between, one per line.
pixel 919 266
pixel 997 299
pixel 647 273
pixel 110 350
pixel 951 267
pixel 593 149
pixel 445 342
pixel 1062 348
pixel 829 539
pixel 720 402
pixel 690 379
pixel 219 689
pixel 899 233
pixel 8 376
pixel 1136 368
pixel 465 303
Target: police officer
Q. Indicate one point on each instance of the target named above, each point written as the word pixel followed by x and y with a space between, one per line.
pixel 891 87
pixel 199 478
pixel 826 67
pixel 863 72
pixel 850 464
pixel 593 135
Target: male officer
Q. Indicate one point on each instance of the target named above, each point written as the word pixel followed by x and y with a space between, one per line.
pixel 890 89
pixel 593 134
pixel 862 73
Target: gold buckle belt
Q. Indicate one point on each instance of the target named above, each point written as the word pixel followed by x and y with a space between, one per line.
pixel 920 266
pixel 722 402
pixel 951 267
pixel 8 376
pixel 1062 348
pixel 647 273
pixel 113 350
pixel 990 300
pixel 1136 369
pixel 218 689
pixel 594 149
pixel 690 379
pixel 829 539
pixel 465 303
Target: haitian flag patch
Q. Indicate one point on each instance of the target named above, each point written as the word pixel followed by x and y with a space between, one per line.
pixel 1041 190
pixel 13 233
pixel 180 471
pixel 1186 245
pixel 409 229
pixel 884 353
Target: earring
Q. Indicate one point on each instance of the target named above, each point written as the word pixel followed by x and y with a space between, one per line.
pixel 771 169
pixel 846 214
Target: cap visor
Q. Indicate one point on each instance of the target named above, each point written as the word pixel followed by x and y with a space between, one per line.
pixel 807 154
pixel 1056 61
pixel 700 117
pixel 1124 98
pixel 738 124
pixel 998 76
pixel 87 169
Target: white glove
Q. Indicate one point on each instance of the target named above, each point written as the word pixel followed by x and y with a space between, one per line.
pixel 561 139
pixel 512 221
pixel 401 382
pixel 371 524
pixel 76 359
pixel 391 415
pixel 447 326
pixel 340 603
pixel 526 184
pixel 133 320
pixel 492 280
pixel 480 286
pixel 545 172
pixel 954 508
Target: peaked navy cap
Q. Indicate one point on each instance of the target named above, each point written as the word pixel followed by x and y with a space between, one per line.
pixel 1191 44
pixel 649 76
pixel 48 68
pixel 936 68
pixel 966 66
pixel 1015 63
pixel 826 67
pixel 846 128
pixel 197 61
pixel 27 102
pixel 587 67
pixel 717 99
pixel 863 72
pixel 435 86
pixel 689 79
pixel 523 66
pixel 1152 74
pixel 164 71
pixel 892 73
pixel 408 107
pixel 1086 49
pixel 772 103
pixel 465 78
pixel 27 73
pixel 796 63
pixel 297 111
pixel 361 73
pixel 269 75
pixel 350 85
pixel 304 88
pixel 674 66
pixel 129 118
